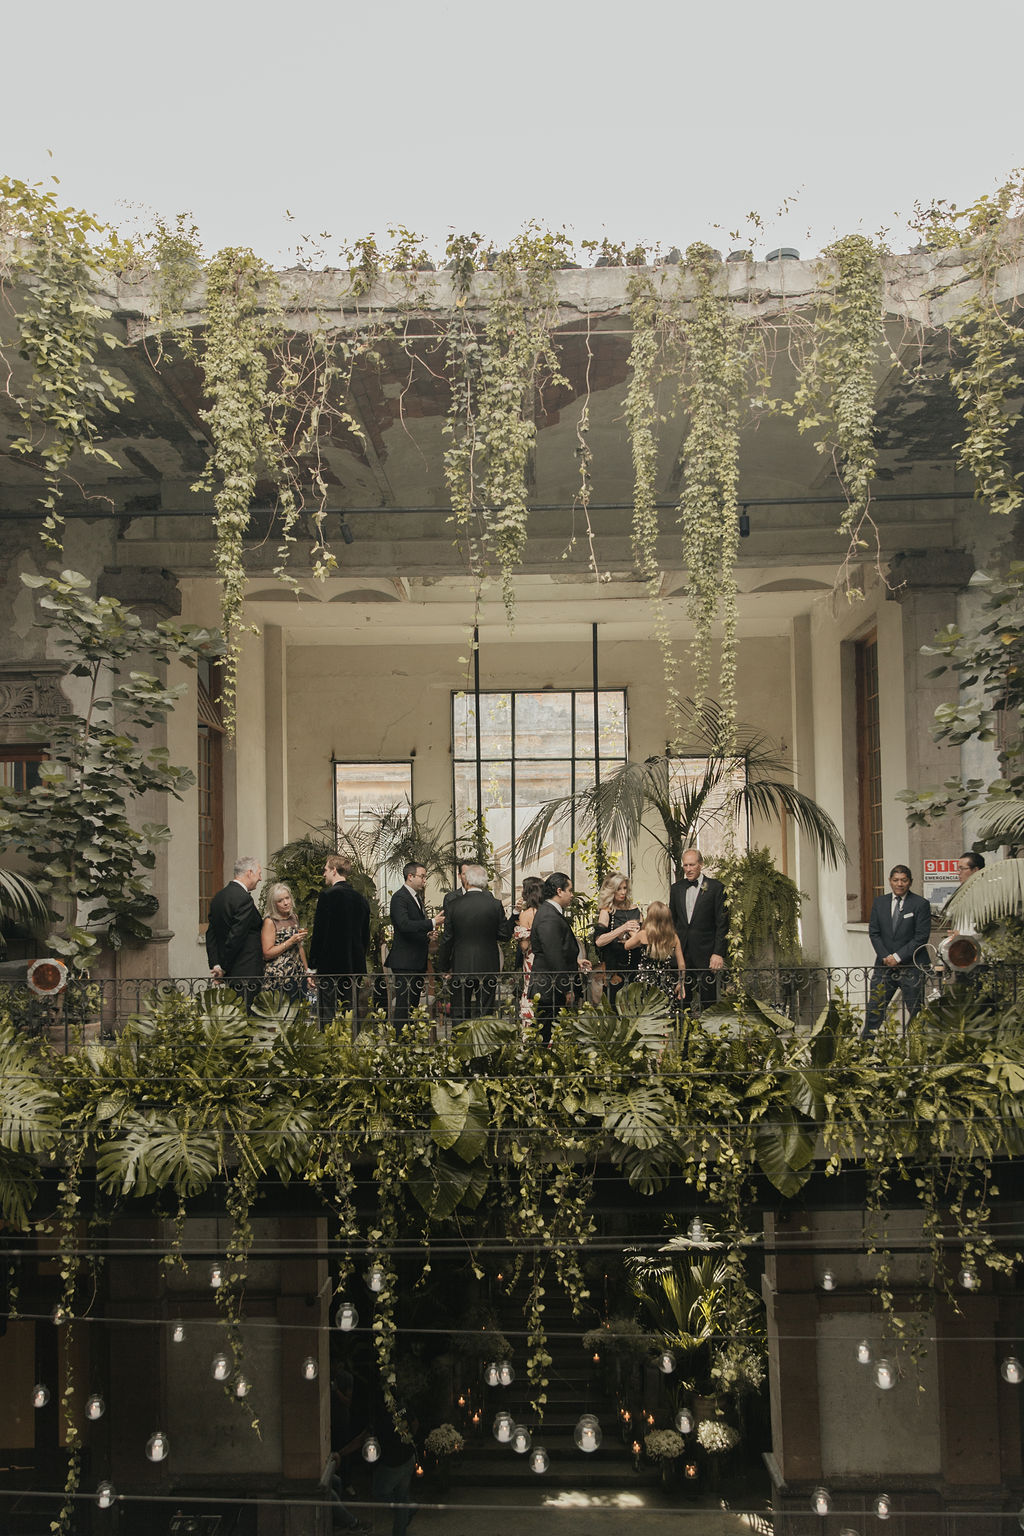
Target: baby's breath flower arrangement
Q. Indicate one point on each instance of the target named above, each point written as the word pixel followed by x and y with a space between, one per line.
pixel 716 1436
pixel 664 1444
pixel 445 1440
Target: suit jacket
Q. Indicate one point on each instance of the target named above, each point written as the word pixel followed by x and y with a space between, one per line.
pixel 474 926
pixel 233 932
pixel 704 934
pixel 412 930
pixel 907 934
pixel 341 931
pixel 556 949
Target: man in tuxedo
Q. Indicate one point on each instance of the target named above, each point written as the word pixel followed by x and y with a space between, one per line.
pixel 557 962
pixel 407 956
pixel 701 918
pixel 899 925
pixel 233 945
pixel 452 896
pixel 475 925
pixel 341 937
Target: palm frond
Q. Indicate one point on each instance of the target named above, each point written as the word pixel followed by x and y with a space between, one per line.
pixel 766 797
pixel 992 893
pixel 1003 820
pixel 21 902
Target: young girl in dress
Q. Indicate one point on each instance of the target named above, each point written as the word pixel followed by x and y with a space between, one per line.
pixel 662 965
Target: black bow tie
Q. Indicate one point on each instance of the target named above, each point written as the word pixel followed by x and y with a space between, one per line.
pixel 693 882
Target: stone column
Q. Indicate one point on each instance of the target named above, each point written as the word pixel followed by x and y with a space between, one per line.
pixel 926 584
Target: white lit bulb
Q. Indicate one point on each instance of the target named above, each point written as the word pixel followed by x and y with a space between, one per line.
pixel 587 1435
pixel 375 1278
pixel 684 1421
pixel 220 1368
pixel 95 1407
pixel 863 1353
pixel 885 1375
pixel 106 1493
pixel 666 1362
pixel 310 1369
pixel 40 1395
pixel 178 1333
pixel 216 1276
pixel 521 1439
pixel 696 1230
pixel 347 1317
pixel 1012 1371
pixel 969 1278
pixel 539 1459
pixel 491 1373
pixel 828 1280
pixel 821 1501
pixel 242 1386
pixel 506 1375
pixel 60 1314
pixel 502 1427
pixel 158 1446
pixel 371 1449
pixel 883 1506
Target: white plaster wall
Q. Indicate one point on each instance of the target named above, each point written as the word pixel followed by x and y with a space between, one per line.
pixel 393 702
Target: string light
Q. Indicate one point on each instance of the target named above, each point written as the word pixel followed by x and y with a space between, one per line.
pixel 106 1494
pixel 539 1460
pixel 216 1276
pixel 243 1386
pixel 883 1506
pixel 821 1501
pixel 521 1439
pixel 95 1407
pixel 1012 1371
pixel 310 1369
pixel 828 1280
pixel 178 1332
pixel 506 1375
pixel 666 1362
pixel 220 1367
pixel 346 1317
pixel 40 1395
pixel 684 1421
pixel 863 1353
pixel 969 1278
pixel 491 1373
pixel 371 1449
pixel 375 1278
pixel 158 1447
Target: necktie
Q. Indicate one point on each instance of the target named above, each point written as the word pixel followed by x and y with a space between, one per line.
pixel 897 907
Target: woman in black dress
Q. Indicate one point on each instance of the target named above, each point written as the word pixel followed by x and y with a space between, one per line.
pixel 617 918
pixel 662 964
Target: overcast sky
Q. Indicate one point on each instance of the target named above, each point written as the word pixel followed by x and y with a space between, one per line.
pixel 652 121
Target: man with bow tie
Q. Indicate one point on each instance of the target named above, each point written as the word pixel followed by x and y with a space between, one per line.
pixel 701 918
pixel 899 926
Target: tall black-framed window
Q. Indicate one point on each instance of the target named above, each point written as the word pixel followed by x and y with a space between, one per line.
pixel 534 747
pixel 366 797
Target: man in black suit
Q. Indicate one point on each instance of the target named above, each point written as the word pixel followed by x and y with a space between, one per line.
pixel 450 897
pixel 475 925
pixel 701 918
pixel 557 962
pixel 341 937
pixel 233 945
pixel 407 956
pixel 899 925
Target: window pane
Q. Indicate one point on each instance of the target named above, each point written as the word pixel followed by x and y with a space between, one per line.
pixel 495 725
pixel 611 714
pixel 496 789
pixel 363 794
pixel 543 725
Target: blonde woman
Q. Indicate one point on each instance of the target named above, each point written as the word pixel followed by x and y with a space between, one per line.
pixel 662 965
pixel 284 958
pixel 617 919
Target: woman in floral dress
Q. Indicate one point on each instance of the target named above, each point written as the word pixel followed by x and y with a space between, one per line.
pixel 532 888
pixel 284 958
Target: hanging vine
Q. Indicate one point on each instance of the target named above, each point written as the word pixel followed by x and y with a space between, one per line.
pixel 712 379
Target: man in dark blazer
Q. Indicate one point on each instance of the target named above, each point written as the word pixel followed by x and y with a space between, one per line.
pixel 341 937
pixel 452 896
pixel 233 945
pixel 900 924
pixel 701 918
pixel 475 925
pixel 556 952
pixel 407 957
